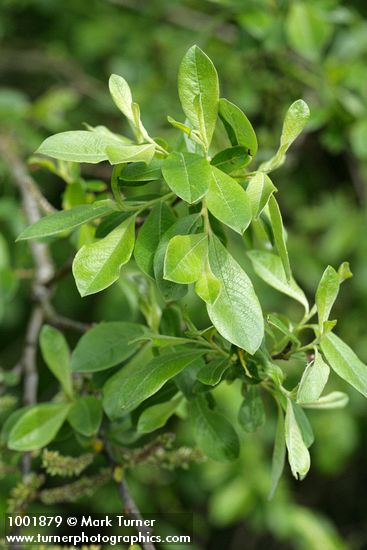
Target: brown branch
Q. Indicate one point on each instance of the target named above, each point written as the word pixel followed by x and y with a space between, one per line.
pixel 32 201
pixel 62 272
pixel 32 198
pixel 65 323
pixel 130 506
pixel 44 280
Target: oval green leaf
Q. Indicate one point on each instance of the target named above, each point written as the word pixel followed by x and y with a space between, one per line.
pixel 66 220
pixel 270 269
pixel 298 455
pixel 97 265
pixel 56 354
pixel 170 290
pixel 78 146
pixel 159 220
pixel 185 256
pixel 105 346
pixel 37 427
pixel 197 78
pixel 236 314
pixel 156 417
pixel 313 380
pixel 251 415
pixel 344 362
pixel 326 294
pixel 188 175
pixel 137 382
pixel 85 415
pixel 214 434
pixel 228 201
pixel 238 126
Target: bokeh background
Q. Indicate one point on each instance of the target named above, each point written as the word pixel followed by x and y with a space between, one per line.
pixel 55 60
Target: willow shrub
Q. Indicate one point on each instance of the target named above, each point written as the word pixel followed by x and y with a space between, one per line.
pixel 170 210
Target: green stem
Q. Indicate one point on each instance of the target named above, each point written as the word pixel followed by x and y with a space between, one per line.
pixel 205 215
pixel 158 147
pixel 116 193
pixel 211 344
pixel 308 316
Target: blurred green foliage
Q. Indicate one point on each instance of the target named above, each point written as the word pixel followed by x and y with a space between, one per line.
pixel 56 57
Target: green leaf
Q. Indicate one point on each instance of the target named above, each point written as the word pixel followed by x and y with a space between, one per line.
pixel 211 373
pixel 295 120
pixel 259 190
pixel 156 417
pixel 188 175
pixel 313 380
pixel 308 29
pixel 185 256
pixel 66 220
pixel 298 455
pixel 228 201
pixel 279 235
pixel 326 294
pixel 278 459
pixel 120 153
pixel 109 223
pixel 251 415
pixel 162 340
pixel 231 159
pixel 344 272
pixel 78 146
pixel 105 346
pixel 187 382
pixel 103 130
pixel 38 426
pixel 112 387
pixel 208 286
pixel 11 420
pixel 213 433
pixel 238 126
pixel 141 172
pixel 159 220
pixel 344 362
pixel 137 382
pixel 121 95
pixel 170 290
pixel 333 400
pixel 198 89
pixel 97 265
pixel 56 354
pixel 85 416
pixel 236 314
pixel 270 269
pixel 179 125
pixel 304 425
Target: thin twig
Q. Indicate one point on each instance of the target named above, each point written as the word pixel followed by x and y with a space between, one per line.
pixel 61 322
pixel 62 272
pixel 31 200
pixel 130 506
